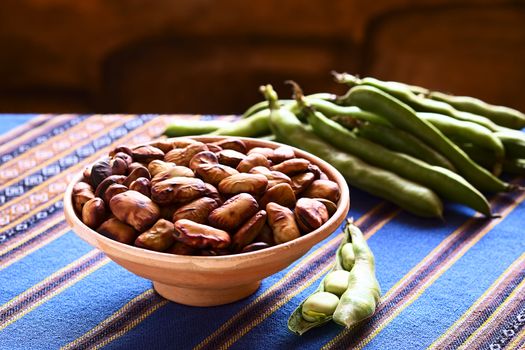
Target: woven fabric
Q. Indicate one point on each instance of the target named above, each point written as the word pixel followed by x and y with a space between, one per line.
pixel 456 283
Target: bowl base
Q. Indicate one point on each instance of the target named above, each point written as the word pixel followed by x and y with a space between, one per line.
pixel 205 296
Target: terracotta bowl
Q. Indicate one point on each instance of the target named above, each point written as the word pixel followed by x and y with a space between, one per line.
pixel 212 280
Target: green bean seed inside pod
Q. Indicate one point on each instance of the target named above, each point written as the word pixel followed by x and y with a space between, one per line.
pixel 336 282
pixel 348 256
pixel 319 306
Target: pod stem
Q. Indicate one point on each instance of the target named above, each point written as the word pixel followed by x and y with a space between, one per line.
pixel 270 95
pixel 345 78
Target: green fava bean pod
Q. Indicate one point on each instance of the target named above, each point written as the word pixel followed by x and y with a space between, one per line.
pixel 257 125
pixel 514 142
pixel 360 299
pixel 500 115
pixel 404 117
pixel 409 195
pixel 194 127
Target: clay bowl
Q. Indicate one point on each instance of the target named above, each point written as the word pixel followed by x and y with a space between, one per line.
pixel 212 280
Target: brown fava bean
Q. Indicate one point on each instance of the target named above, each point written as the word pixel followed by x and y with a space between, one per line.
pixel 323 189
pixel 310 214
pixel 232 143
pixel 214 148
pixel 292 166
pixel 180 248
pixel 214 173
pixel 81 186
pixel 157 166
pixel 120 149
pixel 81 197
pixel 213 193
pixel 251 161
pixel 117 230
pixel 254 184
pixel 167 211
pixel 316 171
pixel 147 153
pixel 280 154
pixel 118 166
pixel 282 223
pixel 230 157
pixel 125 157
pixel 196 211
pixel 200 236
pixel 330 206
pixel 134 166
pixel 274 177
pixel 99 171
pixel 141 171
pixel 233 212
pixel 181 142
pixel 135 209
pixel 159 237
pixel 86 175
pixel 112 191
pixel 247 233
pixel 265 151
pixel 265 235
pixel 254 247
pixel 94 212
pixel 204 157
pixel 282 194
pixel 177 190
pixel 175 171
pixel 301 182
pixel 164 145
pixel 104 185
pixel 182 156
pixel 141 185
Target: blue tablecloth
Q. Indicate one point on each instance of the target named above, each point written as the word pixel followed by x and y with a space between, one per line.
pixel 446 284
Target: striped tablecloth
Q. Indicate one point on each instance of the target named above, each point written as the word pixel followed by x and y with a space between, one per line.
pixel 446 284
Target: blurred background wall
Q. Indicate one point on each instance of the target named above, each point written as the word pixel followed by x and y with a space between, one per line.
pixel 205 56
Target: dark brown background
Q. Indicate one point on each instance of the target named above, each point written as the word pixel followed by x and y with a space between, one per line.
pixel 205 56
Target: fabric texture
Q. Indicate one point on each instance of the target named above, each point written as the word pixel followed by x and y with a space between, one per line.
pixel 456 283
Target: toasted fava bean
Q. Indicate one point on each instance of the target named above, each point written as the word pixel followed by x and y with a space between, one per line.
pixel 254 247
pixel 117 230
pixel 164 145
pixel 81 197
pixel 213 193
pixel 145 154
pixel 86 175
pixel 99 171
pixel 330 206
pixel 282 222
pixel 265 151
pixel 110 180
pixel 118 166
pixel 159 237
pixel 281 194
pixel 157 166
pixel 167 211
pixel 302 181
pixel 120 149
pixel 196 211
pixel 247 233
pixel 112 191
pixel 280 154
pixel 182 156
pixel 201 236
pixel 319 174
pixel 230 157
pixel 265 235
pixel 94 212
pixel 141 171
pixel 214 173
pixel 232 143
pixel 180 248
pixel 181 142
pixel 292 166
pixel 134 166
pixel 175 171
pixel 251 161
pixel 125 157
pixel 336 282
pixel 310 214
pixel 81 186
pixel 254 184
pixel 274 177
pixel 204 157
pixel 323 189
pixel 141 185
pixel 319 306
pixel 135 209
pixel 177 190
pixel 214 148
pixel 233 212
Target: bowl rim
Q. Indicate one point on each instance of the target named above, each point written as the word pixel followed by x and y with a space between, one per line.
pixel 331 225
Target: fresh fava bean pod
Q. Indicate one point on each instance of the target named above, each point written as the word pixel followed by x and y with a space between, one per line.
pixel 443 181
pixel 500 115
pixel 194 127
pixel 409 195
pixel 513 141
pixel 404 93
pixel 256 125
pixel 354 267
pixel 404 117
